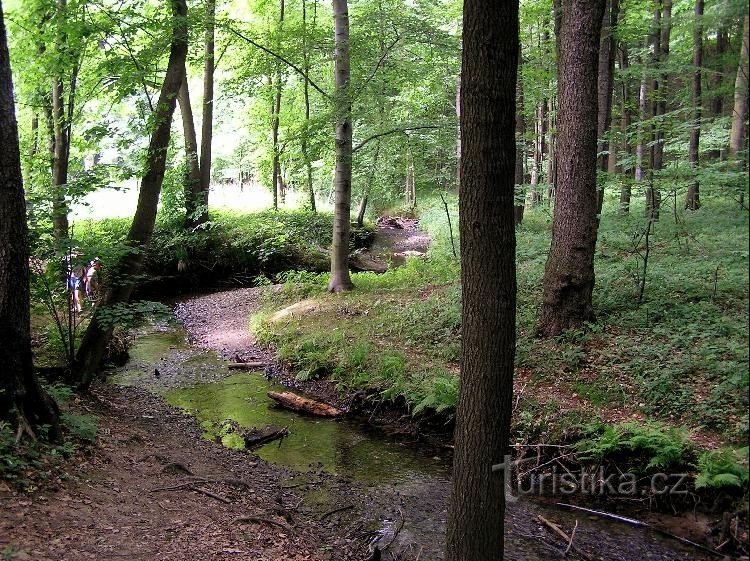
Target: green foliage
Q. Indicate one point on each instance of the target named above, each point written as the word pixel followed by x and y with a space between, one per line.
pixel 132 314
pixel 82 427
pixel 658 446
pixel 724 468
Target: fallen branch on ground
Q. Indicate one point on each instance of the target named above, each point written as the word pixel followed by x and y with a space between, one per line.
pixel 252 365
pixel 261 520
pixel 568 539
pixel 640 524
pixel 335 511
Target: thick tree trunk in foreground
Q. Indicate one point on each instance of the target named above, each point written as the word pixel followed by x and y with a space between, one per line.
pixel 569 272
pixel 488 279
pixel 207 124
pixel 604 91
pixel 340 278
pixel 194 209
pixel 739 114
pixel 97 335
pixel 692 199
pixel 22 400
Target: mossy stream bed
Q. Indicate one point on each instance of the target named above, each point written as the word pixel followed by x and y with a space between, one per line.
pixel 398 489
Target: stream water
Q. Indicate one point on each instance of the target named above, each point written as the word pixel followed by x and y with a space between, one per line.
pixel 406 487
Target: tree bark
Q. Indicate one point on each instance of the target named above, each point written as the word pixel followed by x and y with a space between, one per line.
pixel 275 118
pixel 22 400
pixel 61 149
pixel 662 32
pixel 739 113
pixel 625 116
pixel 605 89
pixel 569 272
pixel 692 199
pixel 195 211
pixel 207 123
pixel 96 338
pixel 306 93
pixel 520 150
pixel 488 279
pixel 340 278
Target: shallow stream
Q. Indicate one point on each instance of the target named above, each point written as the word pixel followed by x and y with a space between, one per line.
pixel 406 486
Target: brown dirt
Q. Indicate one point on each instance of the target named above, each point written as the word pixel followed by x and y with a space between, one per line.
pixel 117 499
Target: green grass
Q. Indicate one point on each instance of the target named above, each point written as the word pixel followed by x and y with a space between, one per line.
pixel 678 357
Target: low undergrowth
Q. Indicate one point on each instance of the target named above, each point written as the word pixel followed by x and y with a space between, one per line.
pixel 23 462
pixel 232 249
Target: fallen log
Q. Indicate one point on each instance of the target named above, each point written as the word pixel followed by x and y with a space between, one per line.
pixel 258 437
pixel 295 402
pixel 568 539
pixel 252 365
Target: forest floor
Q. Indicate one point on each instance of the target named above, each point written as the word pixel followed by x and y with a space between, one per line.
pixel 152 487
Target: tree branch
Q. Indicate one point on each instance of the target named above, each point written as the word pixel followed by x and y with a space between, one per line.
pixel 378 65
pixel 394 131
pixel 291 65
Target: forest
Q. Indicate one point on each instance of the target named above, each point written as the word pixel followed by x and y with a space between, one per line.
pixel 374 280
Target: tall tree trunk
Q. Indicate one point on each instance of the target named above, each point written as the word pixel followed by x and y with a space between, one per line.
pixel 61 148
pixel 717 76
pixel 306 92
pixel 98 334
pixel 520 150
pixel 194 209
pixel 569 273
pixel 692 200
pixel 488 280
pixel 625 121
pixel 662 32
pixel 643 106
pixel 207 123
pixel 276 115
pixel 340 278
pixel 551 152
pixel 739 113
pixel 605 89
pixel 22 400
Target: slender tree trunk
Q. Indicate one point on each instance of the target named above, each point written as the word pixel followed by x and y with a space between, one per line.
pixel 569 273
pixel 306 92
pixel 625 116
pixel 605 89
pixel 488 280
pixel 22 400
pixel 520 150
pixel 340 278
pixel 739 113
pixel 716 78
pixel 409 188
pixel 207 124
pixel 61 148
pixel 276 115
pixel 640 149
pixel 194 208
pixel 692 200
pixel 98 334
pixel 551 151
pixel 662 32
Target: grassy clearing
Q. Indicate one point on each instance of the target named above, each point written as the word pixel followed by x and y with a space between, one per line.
pixel 678 358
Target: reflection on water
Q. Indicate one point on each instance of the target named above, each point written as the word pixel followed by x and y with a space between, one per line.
pixel 335 447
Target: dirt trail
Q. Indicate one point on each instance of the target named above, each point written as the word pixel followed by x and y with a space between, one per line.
pixel 131 497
